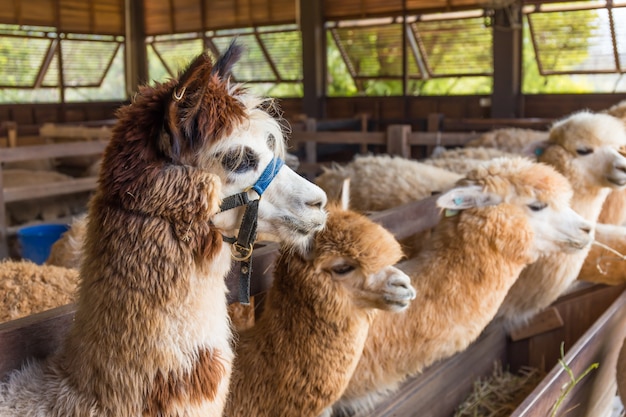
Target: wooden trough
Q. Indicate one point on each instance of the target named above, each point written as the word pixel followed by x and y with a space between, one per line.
pixel 591 322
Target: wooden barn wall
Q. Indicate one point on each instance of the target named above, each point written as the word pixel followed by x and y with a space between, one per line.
pixel 29 117
pixel 381 111
pixel 551 106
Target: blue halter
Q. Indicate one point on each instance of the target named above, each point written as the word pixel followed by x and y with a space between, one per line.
pixel 243 244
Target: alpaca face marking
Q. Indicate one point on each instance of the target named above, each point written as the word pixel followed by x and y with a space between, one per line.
pixel 291 209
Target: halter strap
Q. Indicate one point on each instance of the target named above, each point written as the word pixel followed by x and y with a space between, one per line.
pixel 242 245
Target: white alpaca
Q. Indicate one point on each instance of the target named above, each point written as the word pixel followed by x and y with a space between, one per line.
pixel 381 182
pixel 504 216
pixel 585 148
pixel 299 357
pixel 151 336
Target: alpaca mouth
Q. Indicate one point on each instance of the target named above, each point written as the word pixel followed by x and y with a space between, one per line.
pixel 617 181
pixel 574 245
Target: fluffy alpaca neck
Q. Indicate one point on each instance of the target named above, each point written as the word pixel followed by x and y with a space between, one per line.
pixel 460 284
pixel 149 321
pixel 302 357
pixel 589 202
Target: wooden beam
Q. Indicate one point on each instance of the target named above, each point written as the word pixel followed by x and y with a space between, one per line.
pixel 507 62
pixel 311 23
pixel 136 53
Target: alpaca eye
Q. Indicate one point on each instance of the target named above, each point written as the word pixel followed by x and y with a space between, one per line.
pixel 537 206
pixel 239 162
pixel 342 269
pixel 584 151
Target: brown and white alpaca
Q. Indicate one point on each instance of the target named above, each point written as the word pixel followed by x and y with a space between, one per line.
pixel 503 216
pixel 298 358
pixel 586 148
pixel 151 335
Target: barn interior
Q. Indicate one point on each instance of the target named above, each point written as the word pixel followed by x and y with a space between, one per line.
pixel 349 78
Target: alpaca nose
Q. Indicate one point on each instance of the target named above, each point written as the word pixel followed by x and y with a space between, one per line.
pixel 586 229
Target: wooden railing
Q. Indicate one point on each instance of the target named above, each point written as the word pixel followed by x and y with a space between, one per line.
pixel 87 141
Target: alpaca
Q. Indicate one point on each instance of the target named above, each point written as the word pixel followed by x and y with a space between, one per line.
pixel 299 357
pixel 67 250
pixel 503 216
pixel 151 335
pixel 509 139
pixel 463 160
pixel 381 182
pixel 584 147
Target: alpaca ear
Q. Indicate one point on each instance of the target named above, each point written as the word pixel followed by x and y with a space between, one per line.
pixel 462 198
pixel 345 194
pixel 224 65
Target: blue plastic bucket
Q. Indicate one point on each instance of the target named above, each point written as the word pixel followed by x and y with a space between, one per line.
pixel 36 241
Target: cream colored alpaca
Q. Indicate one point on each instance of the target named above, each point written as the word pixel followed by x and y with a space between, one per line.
pixel 585 148
pixel 381 182
pixel 501 218
pixel 463 160
pixel 510 139
pixel 151 336
pixel 299 357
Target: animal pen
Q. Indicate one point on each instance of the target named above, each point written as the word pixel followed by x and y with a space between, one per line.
pixel 590 322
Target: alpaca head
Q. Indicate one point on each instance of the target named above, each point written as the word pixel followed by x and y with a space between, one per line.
pixel 352 259
pixel 531 191
pixel 202 119
pixel 588 148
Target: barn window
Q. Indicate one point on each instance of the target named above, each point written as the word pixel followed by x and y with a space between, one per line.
pixel 38 64
pixel 432 52
pixel 271 65
pixel 575 47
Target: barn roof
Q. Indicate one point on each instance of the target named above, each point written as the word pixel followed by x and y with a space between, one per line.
pixel 181 16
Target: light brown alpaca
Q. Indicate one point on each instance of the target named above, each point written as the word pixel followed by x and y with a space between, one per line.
pixel 585 148
pixel 299 357
pixel 501 218
pixel 151 335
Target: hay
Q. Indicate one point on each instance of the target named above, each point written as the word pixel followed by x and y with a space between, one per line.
pixel 500 394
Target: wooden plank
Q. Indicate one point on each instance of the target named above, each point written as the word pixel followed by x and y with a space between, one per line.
pixel 594 346
pixel 69 186
pixel 544 321
pixel 348 138
pixel 57 150
pixel 440 138
pixel 35 336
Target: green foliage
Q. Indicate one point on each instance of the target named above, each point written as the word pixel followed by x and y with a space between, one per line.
pixel 572 382
pixel 532 81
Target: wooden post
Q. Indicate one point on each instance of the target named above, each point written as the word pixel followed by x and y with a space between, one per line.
pixel 11 134
pixel 398 140
pixel 310 147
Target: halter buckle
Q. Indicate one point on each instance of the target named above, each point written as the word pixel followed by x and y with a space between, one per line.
pixel 241 253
